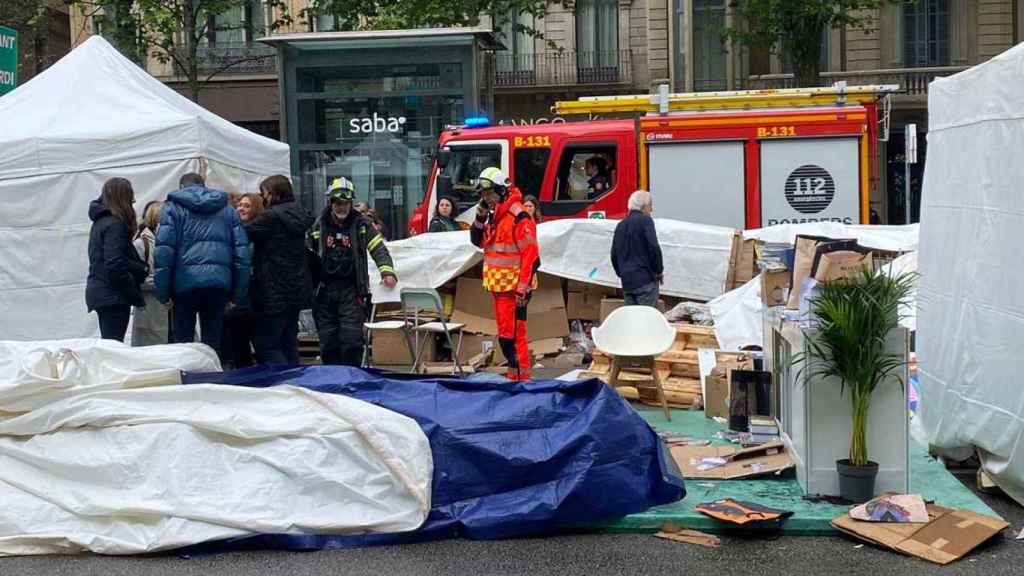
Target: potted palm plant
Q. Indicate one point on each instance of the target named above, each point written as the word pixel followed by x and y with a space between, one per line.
pixel 854 319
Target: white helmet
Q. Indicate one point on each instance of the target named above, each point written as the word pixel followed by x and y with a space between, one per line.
pixel 492 178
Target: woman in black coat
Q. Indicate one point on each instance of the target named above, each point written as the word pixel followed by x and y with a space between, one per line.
pixel 116 272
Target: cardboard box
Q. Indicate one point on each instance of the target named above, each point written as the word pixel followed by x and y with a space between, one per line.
pixel 577 286
pixel 390 348
pixel 609 305
pixel 842 264
pixel 775 288
pixel 948 536
pixel 546 315
pixel 716 397
pixel 761 460
pixel 584 306
pixel 473 344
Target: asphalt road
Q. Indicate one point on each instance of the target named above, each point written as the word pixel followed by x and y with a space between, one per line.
pixel 564 555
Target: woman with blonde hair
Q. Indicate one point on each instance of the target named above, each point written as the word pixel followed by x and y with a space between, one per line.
pixel 151 324
pixel 239 338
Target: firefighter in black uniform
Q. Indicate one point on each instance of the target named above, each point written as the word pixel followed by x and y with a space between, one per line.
pixel 337 245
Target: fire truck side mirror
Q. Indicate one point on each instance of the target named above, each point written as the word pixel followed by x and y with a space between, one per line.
pixel 444 156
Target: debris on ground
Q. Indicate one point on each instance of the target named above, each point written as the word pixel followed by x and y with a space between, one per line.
pixel 670 531
pixel 741 512
pixel 947 536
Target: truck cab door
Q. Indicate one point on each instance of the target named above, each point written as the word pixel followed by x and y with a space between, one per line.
pixel 587 177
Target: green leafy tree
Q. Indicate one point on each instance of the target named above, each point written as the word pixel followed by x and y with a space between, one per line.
pixel 175 32
pixel 794 28
pixel 402 14
pixel 27 17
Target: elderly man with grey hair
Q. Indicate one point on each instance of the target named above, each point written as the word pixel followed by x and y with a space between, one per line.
pixel 636 255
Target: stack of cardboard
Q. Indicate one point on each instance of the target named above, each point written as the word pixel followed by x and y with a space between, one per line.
pixel 547 321
pixel 584 300
pixel 679 369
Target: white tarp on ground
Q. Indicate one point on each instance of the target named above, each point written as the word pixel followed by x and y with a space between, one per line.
pixel 53 162
pixel 890 238
pixel 970 296
pixel 696 256
pixel 134 470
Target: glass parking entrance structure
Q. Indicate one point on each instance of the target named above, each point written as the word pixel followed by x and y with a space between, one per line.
pixel 370 106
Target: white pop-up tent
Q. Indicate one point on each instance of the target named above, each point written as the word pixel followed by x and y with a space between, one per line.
pixel 970 315
pixel 92 116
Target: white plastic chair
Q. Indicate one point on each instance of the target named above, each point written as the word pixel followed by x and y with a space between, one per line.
pixel 637 333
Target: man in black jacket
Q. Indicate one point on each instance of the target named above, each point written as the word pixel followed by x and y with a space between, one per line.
pixel 337 246
pixel 281 284
pixel 636 256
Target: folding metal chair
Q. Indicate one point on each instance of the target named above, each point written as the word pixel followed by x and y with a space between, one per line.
pixel 384 325
pixel 416 300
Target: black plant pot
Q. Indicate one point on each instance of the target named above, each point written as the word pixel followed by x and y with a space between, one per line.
pixel 856 483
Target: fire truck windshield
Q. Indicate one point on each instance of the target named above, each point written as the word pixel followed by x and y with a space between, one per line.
pixel 466 164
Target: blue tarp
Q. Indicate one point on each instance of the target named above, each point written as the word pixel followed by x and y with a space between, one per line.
pixel 510 459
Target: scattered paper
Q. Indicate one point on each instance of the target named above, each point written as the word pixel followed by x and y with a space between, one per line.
pixel 705 464
pixel 859 546
pixel 895 508
pixel 741 512
pixel 1021 535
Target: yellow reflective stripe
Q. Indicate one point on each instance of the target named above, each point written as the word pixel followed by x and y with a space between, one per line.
pixel 384 269
pixel 376 241
pixel 315 234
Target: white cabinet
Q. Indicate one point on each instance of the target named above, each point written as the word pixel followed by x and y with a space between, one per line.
pixel 815 415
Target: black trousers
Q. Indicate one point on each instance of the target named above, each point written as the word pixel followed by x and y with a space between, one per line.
pixel 277 338
pixel 237 340
pixel 114 322
pixel 339 313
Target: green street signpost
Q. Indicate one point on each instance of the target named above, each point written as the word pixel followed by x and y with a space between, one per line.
pixel 8 60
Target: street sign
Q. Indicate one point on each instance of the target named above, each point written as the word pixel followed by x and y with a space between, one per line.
pixel 8 60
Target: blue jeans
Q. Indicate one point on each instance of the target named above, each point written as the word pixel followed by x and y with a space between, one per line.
pixel 277 338
pixel 206 303
pixel 646 295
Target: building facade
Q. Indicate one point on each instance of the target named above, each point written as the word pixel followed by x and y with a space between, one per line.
pixel 605 47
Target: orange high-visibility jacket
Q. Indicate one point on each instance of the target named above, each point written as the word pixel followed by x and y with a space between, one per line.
pixel 509 242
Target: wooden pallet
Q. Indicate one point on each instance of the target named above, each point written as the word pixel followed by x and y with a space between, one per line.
pixel 678 369
pixel 309 350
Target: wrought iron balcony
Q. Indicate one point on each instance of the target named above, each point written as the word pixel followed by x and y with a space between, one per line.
pixel 563 69
pixel 913 81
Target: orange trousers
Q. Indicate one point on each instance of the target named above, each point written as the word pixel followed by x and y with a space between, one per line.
pixel 512 335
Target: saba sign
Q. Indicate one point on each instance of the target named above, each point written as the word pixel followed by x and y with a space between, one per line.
pixel 376 124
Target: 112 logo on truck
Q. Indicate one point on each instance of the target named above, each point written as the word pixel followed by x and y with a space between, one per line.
pixel 810 189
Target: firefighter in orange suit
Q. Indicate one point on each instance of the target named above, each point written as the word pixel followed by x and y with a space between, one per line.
pixel 508 236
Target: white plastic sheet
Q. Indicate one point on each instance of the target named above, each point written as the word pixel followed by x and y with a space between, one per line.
pixel 115 458
pixel 970 301
pixel 51 168
pixel 737 316
pixel 696 256
pixel 34 374
pixel 890 238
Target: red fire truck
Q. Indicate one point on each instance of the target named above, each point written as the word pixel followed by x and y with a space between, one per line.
pixel 743 159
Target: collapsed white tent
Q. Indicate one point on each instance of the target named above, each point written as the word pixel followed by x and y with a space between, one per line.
pixel 115 457
pixel 696 257
pixel 970 302
pixel 92 116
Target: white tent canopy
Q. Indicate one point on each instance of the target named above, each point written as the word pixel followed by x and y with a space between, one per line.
pixel 970 302
pixel 92 116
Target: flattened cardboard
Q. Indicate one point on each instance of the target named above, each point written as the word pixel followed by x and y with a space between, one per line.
pixel 716 396
pixel 390 348
pixel 948 536
pixel 843 264
pixel 747 463
pixel 775 288
pixel 546 317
